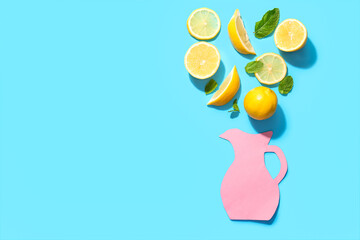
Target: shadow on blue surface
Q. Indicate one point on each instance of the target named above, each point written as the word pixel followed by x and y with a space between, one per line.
pixel 248 56
pixel 277 123
pixel 304 58
pixel 234 114
pixel 271 86
pixel 218 77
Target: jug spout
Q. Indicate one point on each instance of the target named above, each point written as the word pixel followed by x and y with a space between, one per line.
pixel 226 135
pixel 232 134
pixel 239 138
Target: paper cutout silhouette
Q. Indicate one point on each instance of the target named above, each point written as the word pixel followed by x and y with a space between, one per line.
pixel 248 191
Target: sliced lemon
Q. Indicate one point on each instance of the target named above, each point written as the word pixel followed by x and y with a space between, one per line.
pixel 227 89
pixel 274 69
pixel 202 60
pixel 290 35
pixel 203 24
pixel 238 35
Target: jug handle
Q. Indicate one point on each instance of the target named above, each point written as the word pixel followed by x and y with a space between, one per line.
pixel 281 156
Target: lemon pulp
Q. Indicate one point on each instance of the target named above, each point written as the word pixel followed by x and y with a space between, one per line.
pixel 202 60
pixel 290 35
pixel 238 35
pixel 274 69
pixel 203 24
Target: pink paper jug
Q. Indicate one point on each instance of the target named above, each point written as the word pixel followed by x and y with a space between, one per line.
pixel 248 191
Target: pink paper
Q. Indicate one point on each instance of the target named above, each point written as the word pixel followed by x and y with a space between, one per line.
pixel 248 191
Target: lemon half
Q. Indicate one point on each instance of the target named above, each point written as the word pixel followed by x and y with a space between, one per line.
pixel 290 35
pixel 227 89
pixel 238 35
pixel 274 69
pixel 203 24
pixel 202 60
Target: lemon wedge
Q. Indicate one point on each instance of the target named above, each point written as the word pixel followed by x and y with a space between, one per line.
pixel 238 35
pixel 202 60
pixel 203 24
pixel 290 35
pixel 227 89
pixel 274 69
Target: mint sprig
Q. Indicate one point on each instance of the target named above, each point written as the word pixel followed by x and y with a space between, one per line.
pixel 268 23
pixel 286 85
pixel 235 106
pixel 210 86
pixel 253 67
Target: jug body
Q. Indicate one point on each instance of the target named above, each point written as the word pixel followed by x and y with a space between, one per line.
pixel 248 191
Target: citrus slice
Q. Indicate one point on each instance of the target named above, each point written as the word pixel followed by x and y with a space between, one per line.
pixel 238 35
pixel 227 89
pixel 202 60
pixel 274 69
pixel 203 24
pixel 290 35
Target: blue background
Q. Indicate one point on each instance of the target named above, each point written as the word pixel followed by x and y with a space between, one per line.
pixel 105 136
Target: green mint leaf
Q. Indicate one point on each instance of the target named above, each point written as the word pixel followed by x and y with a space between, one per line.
pixel 253 67
pixel 268 23
pixel 235 107
pixel 210 86
pixel 286 85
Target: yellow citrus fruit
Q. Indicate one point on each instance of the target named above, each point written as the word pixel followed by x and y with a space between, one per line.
pixel 260 103
pixel 202 60
pixel 227 89
pixel 274 69
pixel 203 24
pixel 238 35
pixel 290 35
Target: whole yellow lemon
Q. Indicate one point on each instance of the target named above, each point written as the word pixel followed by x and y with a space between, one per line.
pixel 260 103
